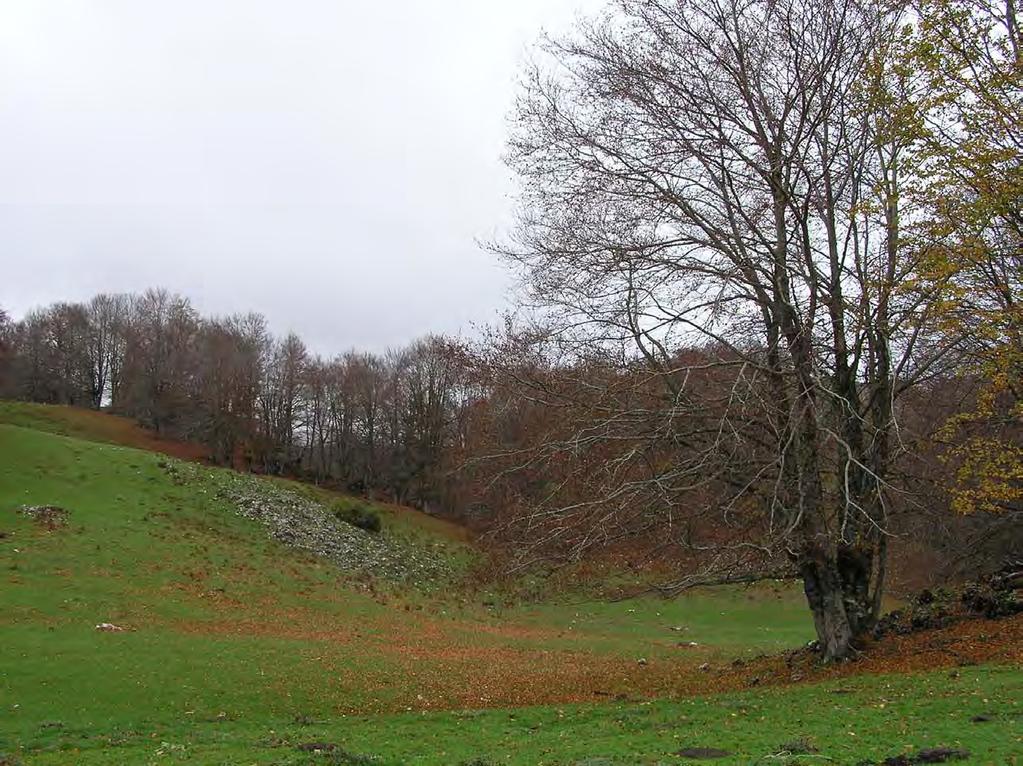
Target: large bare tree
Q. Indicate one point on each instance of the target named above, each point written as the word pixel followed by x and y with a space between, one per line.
pixel 715 176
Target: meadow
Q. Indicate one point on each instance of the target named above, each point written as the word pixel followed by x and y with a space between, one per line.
pixel 231 647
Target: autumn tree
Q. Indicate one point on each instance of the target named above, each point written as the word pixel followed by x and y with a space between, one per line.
pixel 966 127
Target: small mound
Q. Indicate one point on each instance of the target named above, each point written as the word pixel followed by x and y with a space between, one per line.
pixel 993 597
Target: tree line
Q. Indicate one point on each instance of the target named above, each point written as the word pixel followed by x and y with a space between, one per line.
pixel 367 422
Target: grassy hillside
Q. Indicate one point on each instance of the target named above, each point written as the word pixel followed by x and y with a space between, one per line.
pixel 93 426
pixel 239 648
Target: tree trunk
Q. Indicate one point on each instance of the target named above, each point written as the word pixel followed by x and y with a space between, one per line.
pixel 825 596
pixel 842 595
pixel 855 568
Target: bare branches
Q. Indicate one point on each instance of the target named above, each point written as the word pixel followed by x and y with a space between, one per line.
pixel 710 209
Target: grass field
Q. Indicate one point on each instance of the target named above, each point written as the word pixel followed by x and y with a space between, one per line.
pixel 238 649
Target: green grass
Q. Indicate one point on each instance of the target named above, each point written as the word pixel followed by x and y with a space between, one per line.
pixel 732 620
pixel 233 639
pixel 861 719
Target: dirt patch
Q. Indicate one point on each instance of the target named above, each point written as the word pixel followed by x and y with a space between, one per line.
pixel 930 755
pixel 702 753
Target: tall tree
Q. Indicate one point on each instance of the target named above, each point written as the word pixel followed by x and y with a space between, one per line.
pixel 711 174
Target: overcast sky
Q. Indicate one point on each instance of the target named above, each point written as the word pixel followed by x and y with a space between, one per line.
pixel 330 163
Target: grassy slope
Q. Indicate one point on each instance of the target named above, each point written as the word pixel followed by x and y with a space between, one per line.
pixel 233 636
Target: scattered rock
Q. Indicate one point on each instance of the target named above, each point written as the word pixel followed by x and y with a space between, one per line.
pixel 301 522
pixel 49 516
pixel 641 661
pixel 108 627
pixel 801 746
pixel 703 752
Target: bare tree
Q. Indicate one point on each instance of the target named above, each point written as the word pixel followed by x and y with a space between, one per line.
pixel 156 378
pixel 712 176
pixel 227 380
pixel 103 352
pixel 283 369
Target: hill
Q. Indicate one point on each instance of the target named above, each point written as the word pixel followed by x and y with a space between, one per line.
pixel 231 634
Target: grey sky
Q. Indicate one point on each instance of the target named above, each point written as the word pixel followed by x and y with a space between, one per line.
pixel 327 162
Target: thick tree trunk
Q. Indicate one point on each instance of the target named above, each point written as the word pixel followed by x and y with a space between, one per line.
pixel 825 596
pixel 842 593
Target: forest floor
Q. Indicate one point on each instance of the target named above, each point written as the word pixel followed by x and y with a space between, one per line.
pixel 223 645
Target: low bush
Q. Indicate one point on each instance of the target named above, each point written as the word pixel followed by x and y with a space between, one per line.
pixel 358 515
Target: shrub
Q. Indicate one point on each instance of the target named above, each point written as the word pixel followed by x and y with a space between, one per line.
pixel 358 515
